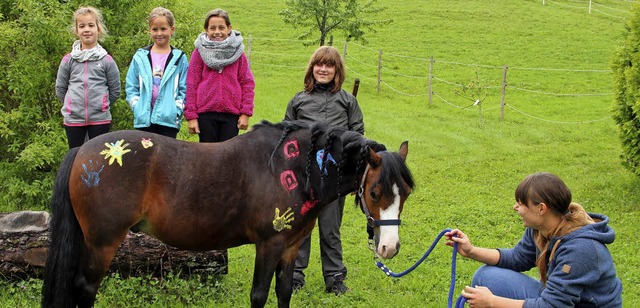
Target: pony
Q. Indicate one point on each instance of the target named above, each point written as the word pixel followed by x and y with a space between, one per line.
pixel 265 187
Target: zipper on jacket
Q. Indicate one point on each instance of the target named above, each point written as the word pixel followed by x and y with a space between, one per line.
pixel 86 92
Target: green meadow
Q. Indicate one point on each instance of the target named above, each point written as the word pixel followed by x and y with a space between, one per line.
pixel 540 74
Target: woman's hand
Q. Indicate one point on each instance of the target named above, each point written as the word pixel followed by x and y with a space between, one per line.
pixel 478 296
pixel 464 244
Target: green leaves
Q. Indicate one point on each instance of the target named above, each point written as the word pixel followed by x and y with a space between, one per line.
pixel 626 108
pixel 350 17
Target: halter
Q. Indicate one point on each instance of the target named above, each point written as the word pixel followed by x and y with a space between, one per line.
pixel 371 222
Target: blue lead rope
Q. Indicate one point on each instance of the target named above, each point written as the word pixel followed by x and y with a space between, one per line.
pixel 461 300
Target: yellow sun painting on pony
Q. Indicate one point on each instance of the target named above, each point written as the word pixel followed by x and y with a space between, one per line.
pixel 115 151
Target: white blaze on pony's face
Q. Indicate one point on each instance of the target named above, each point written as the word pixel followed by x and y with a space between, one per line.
pixel 387 246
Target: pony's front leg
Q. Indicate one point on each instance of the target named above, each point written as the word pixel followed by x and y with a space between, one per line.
pixel 268 254
pixel 284 277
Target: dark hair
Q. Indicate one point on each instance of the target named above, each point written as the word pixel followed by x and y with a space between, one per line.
pixel 217 13
pixel 325 55
pixel 547 188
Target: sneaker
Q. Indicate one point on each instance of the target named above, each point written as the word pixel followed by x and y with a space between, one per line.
pixel 338 288
pixel 297 285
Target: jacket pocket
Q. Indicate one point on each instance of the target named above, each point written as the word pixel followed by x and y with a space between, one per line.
pixel 67 106
pixel 105 102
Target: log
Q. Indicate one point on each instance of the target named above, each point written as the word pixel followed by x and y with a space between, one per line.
pixel 24 242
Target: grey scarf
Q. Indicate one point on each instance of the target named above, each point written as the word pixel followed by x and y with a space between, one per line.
pixel 93 54
pixel 217 55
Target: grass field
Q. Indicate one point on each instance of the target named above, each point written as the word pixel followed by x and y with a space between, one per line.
pixel 466 161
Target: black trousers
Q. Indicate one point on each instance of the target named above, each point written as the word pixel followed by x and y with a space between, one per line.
pixel 161 130
pixel 78 135
pixel 333 269
pixel 216 126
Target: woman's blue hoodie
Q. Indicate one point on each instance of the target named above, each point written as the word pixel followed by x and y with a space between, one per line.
pixel 581 272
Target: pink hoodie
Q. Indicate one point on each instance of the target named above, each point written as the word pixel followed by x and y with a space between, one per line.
pixel 208 90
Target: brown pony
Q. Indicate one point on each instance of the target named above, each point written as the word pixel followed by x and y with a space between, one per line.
pixel 264 187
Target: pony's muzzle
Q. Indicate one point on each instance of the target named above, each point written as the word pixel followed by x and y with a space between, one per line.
pixel 388 251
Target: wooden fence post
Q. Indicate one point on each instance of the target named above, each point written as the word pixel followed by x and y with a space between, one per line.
pixel 356 85
pixel 504 87
pixel 431 80
pixel 379 68
pixel 344 55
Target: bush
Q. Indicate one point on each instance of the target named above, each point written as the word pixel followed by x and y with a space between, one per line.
pixel 626 111
pixel 35 38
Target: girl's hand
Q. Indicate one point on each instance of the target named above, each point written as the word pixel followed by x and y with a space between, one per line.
pixel 464 244
pixel 478 296
pixel 243 122
pixel 193 126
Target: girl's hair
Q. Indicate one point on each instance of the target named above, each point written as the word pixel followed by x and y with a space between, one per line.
pixel 86 10
pixel 330 56
pixel 217 13
pixel 547 188
pixel 160 12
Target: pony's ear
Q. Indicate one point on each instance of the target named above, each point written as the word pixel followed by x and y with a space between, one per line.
pixel 373 159
pixel 404 150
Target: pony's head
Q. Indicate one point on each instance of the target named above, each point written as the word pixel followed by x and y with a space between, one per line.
pixel 383 183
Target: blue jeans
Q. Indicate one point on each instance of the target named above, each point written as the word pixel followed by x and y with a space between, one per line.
pixel 506 283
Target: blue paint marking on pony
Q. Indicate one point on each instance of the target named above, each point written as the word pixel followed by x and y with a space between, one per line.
pixel 322 161
pixel 92 177
pixel 461 300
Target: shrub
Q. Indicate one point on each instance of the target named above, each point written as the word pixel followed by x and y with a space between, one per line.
pixel 35 38
pixel 626 110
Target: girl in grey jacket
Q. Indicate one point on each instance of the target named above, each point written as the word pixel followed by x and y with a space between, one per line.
pixel 88 80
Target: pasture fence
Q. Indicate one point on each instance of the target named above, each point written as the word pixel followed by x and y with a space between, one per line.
pixel 547 94
pixel 610 9
pixel 430 79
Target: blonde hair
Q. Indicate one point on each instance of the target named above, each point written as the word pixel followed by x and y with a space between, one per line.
pixel 89 10
pixel 162 12
pixel 330 56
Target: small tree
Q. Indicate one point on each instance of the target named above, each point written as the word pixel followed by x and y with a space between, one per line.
pixel 626 109
pixel 475 91
pixel 326 16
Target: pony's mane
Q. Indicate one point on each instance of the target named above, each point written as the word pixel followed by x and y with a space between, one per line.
pixel 353 145
pixel 394 170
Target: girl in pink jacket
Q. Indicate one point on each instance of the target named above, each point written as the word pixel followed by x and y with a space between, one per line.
pixel 220 85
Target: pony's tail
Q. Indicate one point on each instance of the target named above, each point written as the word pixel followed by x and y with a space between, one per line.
pixel 63 264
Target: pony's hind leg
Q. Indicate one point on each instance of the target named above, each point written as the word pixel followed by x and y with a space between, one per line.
pixel 96 263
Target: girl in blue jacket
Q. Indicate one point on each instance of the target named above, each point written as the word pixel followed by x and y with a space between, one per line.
pixel 156 81
pixel 565 243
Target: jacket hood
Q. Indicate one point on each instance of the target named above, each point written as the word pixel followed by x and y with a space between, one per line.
pixel 599 231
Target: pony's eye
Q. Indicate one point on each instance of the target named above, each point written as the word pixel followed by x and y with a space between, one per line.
pixel 373 196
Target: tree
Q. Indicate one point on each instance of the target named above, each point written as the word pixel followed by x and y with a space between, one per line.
pixel 626 109
pixel 326 16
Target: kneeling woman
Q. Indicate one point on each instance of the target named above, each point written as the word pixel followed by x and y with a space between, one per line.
pixel 567 244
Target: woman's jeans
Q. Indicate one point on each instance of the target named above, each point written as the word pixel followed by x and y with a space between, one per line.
pixel 506 283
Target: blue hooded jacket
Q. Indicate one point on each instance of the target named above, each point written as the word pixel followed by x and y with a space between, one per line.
pixel 169 105
pixel 581 272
